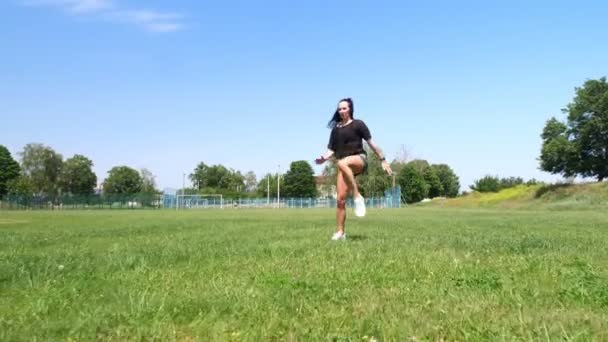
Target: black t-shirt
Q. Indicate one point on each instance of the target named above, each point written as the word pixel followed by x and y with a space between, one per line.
pixel 347 140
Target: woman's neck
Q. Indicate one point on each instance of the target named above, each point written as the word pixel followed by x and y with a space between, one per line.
pixel 345 122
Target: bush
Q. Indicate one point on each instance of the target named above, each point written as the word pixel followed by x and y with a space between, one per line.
pixel 495 184
pixel 486 184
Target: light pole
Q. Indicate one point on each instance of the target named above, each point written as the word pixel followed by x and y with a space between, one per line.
pixel 279 186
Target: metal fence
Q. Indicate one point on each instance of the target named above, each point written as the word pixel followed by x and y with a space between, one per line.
pixel 392 199
pixel 294 203
pixel 128 201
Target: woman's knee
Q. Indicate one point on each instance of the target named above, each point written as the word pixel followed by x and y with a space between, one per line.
pixel 342 195
pixel 343 165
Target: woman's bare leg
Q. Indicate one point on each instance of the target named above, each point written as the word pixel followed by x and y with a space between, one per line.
pixel 342 190
pixel 350 166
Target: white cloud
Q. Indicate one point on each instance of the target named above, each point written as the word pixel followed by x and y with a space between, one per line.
pixel 89 5
pixel 164 27
pixel 73 6
pixel 149 20
pixel 152 20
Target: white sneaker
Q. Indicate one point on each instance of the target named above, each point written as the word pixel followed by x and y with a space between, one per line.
pixel 339 236
pixel 359 206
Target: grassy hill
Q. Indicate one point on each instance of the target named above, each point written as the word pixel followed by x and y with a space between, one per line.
pixel 553 197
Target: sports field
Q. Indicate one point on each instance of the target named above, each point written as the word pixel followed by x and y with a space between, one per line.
pixel 403 274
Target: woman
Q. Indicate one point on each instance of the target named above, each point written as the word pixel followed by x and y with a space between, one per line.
pixel 346 145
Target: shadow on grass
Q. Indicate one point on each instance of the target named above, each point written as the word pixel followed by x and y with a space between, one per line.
pixel 356 237
pixel 550 188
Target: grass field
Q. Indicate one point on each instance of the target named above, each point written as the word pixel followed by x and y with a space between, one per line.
pixel 404 274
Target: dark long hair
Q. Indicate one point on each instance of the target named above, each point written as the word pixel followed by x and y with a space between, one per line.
pixel 336 118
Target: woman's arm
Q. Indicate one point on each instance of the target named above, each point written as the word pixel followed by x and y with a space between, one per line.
pixel 385 165
pixel 324 157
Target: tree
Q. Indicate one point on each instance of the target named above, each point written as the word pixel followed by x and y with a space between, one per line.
pixel 433 181
pixel 329 178
pixel 217 177
pixel 431 178
pixel 250 181
pixel 413 187
pixel 199 177
pixel 396 166
pixel 77 176
pixel 43 166
pixel 494 184
pixel 486 184
pixel 558 153
pixel 420 164
pixel 9 170
pixel 375 181
pixel 148 181
pixel 300 180
pixel 509 182
pixel 122 180
pixel 263 185
pixel 449 181
pixel 21 186
pixel 234 181
pixel 580 146
pixel 402 158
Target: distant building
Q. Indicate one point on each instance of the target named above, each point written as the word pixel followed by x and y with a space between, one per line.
pixel 323 190
pixel 98 189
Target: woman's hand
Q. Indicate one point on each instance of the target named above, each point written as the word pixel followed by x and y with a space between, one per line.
pixel 387 167
pixel 320 160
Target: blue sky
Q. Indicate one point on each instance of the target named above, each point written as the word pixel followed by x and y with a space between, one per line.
pixel 164 85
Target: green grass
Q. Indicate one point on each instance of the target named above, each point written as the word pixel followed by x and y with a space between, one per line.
pixel 404 274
